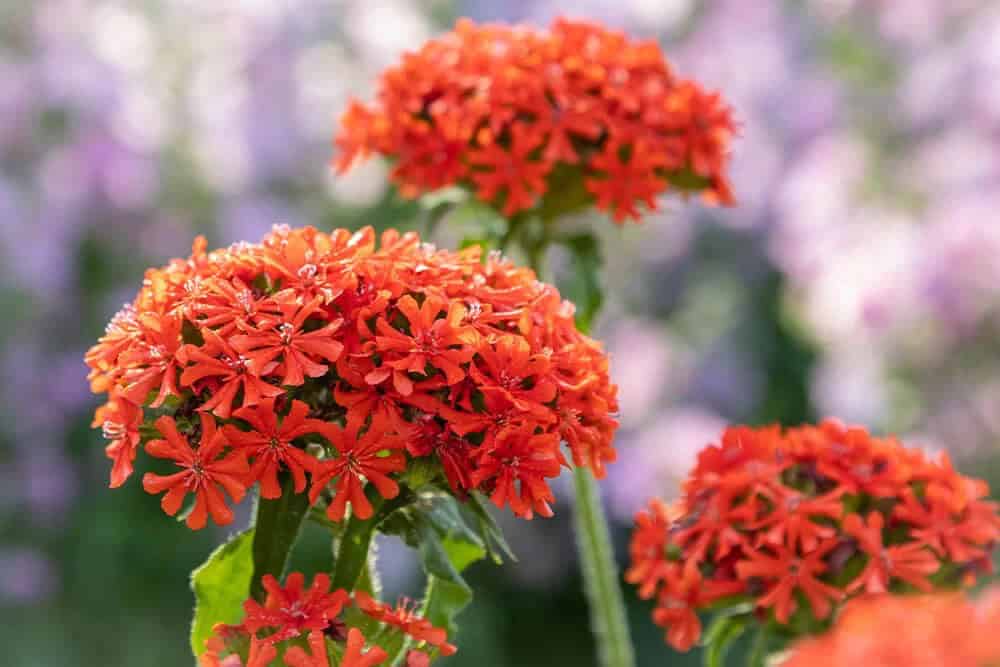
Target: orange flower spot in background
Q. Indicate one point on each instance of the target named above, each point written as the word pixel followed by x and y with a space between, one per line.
pixel 944 630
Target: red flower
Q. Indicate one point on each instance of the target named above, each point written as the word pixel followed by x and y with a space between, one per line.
pixel 935 525
pixel 510 170
pixel 292 610
pixel 425 436
pixel 296 656
pixel 297 348
pixel 518 467
pixel 513 372
pixel 404 617
pixel 120 421
pixel 353 656
pixel 417 659
pixel 205 470
pixel 789 573
pixel 270 445
pixel 152 365
pixel 228 305
pixel 442 343
pixel 911 562
pixel 627 180
pixel 679 617
pixel 795 519
pixel 229 371
pixel 360 456
pixel 261 654
pixel 514 113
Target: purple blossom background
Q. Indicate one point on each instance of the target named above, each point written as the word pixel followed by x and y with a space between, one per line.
pixel 858 277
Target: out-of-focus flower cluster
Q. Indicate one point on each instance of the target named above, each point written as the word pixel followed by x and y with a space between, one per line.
pixel 577 113
pixel 906 631
pixel 329 622
pixel 325 355
pixel 809 514
pixel 871 196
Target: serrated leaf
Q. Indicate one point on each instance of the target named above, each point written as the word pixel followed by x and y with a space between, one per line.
pixel 448 540
pixel 445 514
pixel 220 586
pixel 493 537
pixel 440 561
pixel 444 601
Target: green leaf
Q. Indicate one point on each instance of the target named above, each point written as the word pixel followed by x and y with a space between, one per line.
pixel 445 196
pixel 473 219
pixel 719 638
pixel 220 586
pixel 448 538
pixel 496 544
pixel 443 601
pixel 584 287
pixel 277 524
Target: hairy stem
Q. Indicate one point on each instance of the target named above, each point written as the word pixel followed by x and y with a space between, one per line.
pixel 277 524
pixel 354 544
pixel 353 547
pixel 608 616
pixel 600 574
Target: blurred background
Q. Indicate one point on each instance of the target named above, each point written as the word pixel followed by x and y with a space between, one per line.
pixel 859 277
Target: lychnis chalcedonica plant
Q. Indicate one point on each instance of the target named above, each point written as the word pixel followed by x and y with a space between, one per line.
pixel 392 387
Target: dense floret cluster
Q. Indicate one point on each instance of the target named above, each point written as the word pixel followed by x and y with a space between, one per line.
pixel 798 520
pixel 340 360
pixel 514 113
pixel 293 613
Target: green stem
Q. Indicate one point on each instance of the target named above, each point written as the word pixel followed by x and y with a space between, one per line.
pixel 370 581
pixel 352 551
pixel 355 542
pixel 277 524
pixel 600 574
pixel 758 651
pixel 608 617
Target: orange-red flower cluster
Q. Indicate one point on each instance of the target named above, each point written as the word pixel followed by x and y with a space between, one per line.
pixel 502 110
pixel 294 611
pixel 908 631
pixel 808 515
pixel 336 360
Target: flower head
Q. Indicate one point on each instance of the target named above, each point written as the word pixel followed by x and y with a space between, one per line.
pixel 336 361
pixel 303 626
pixel 513 113
pixel 797 521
